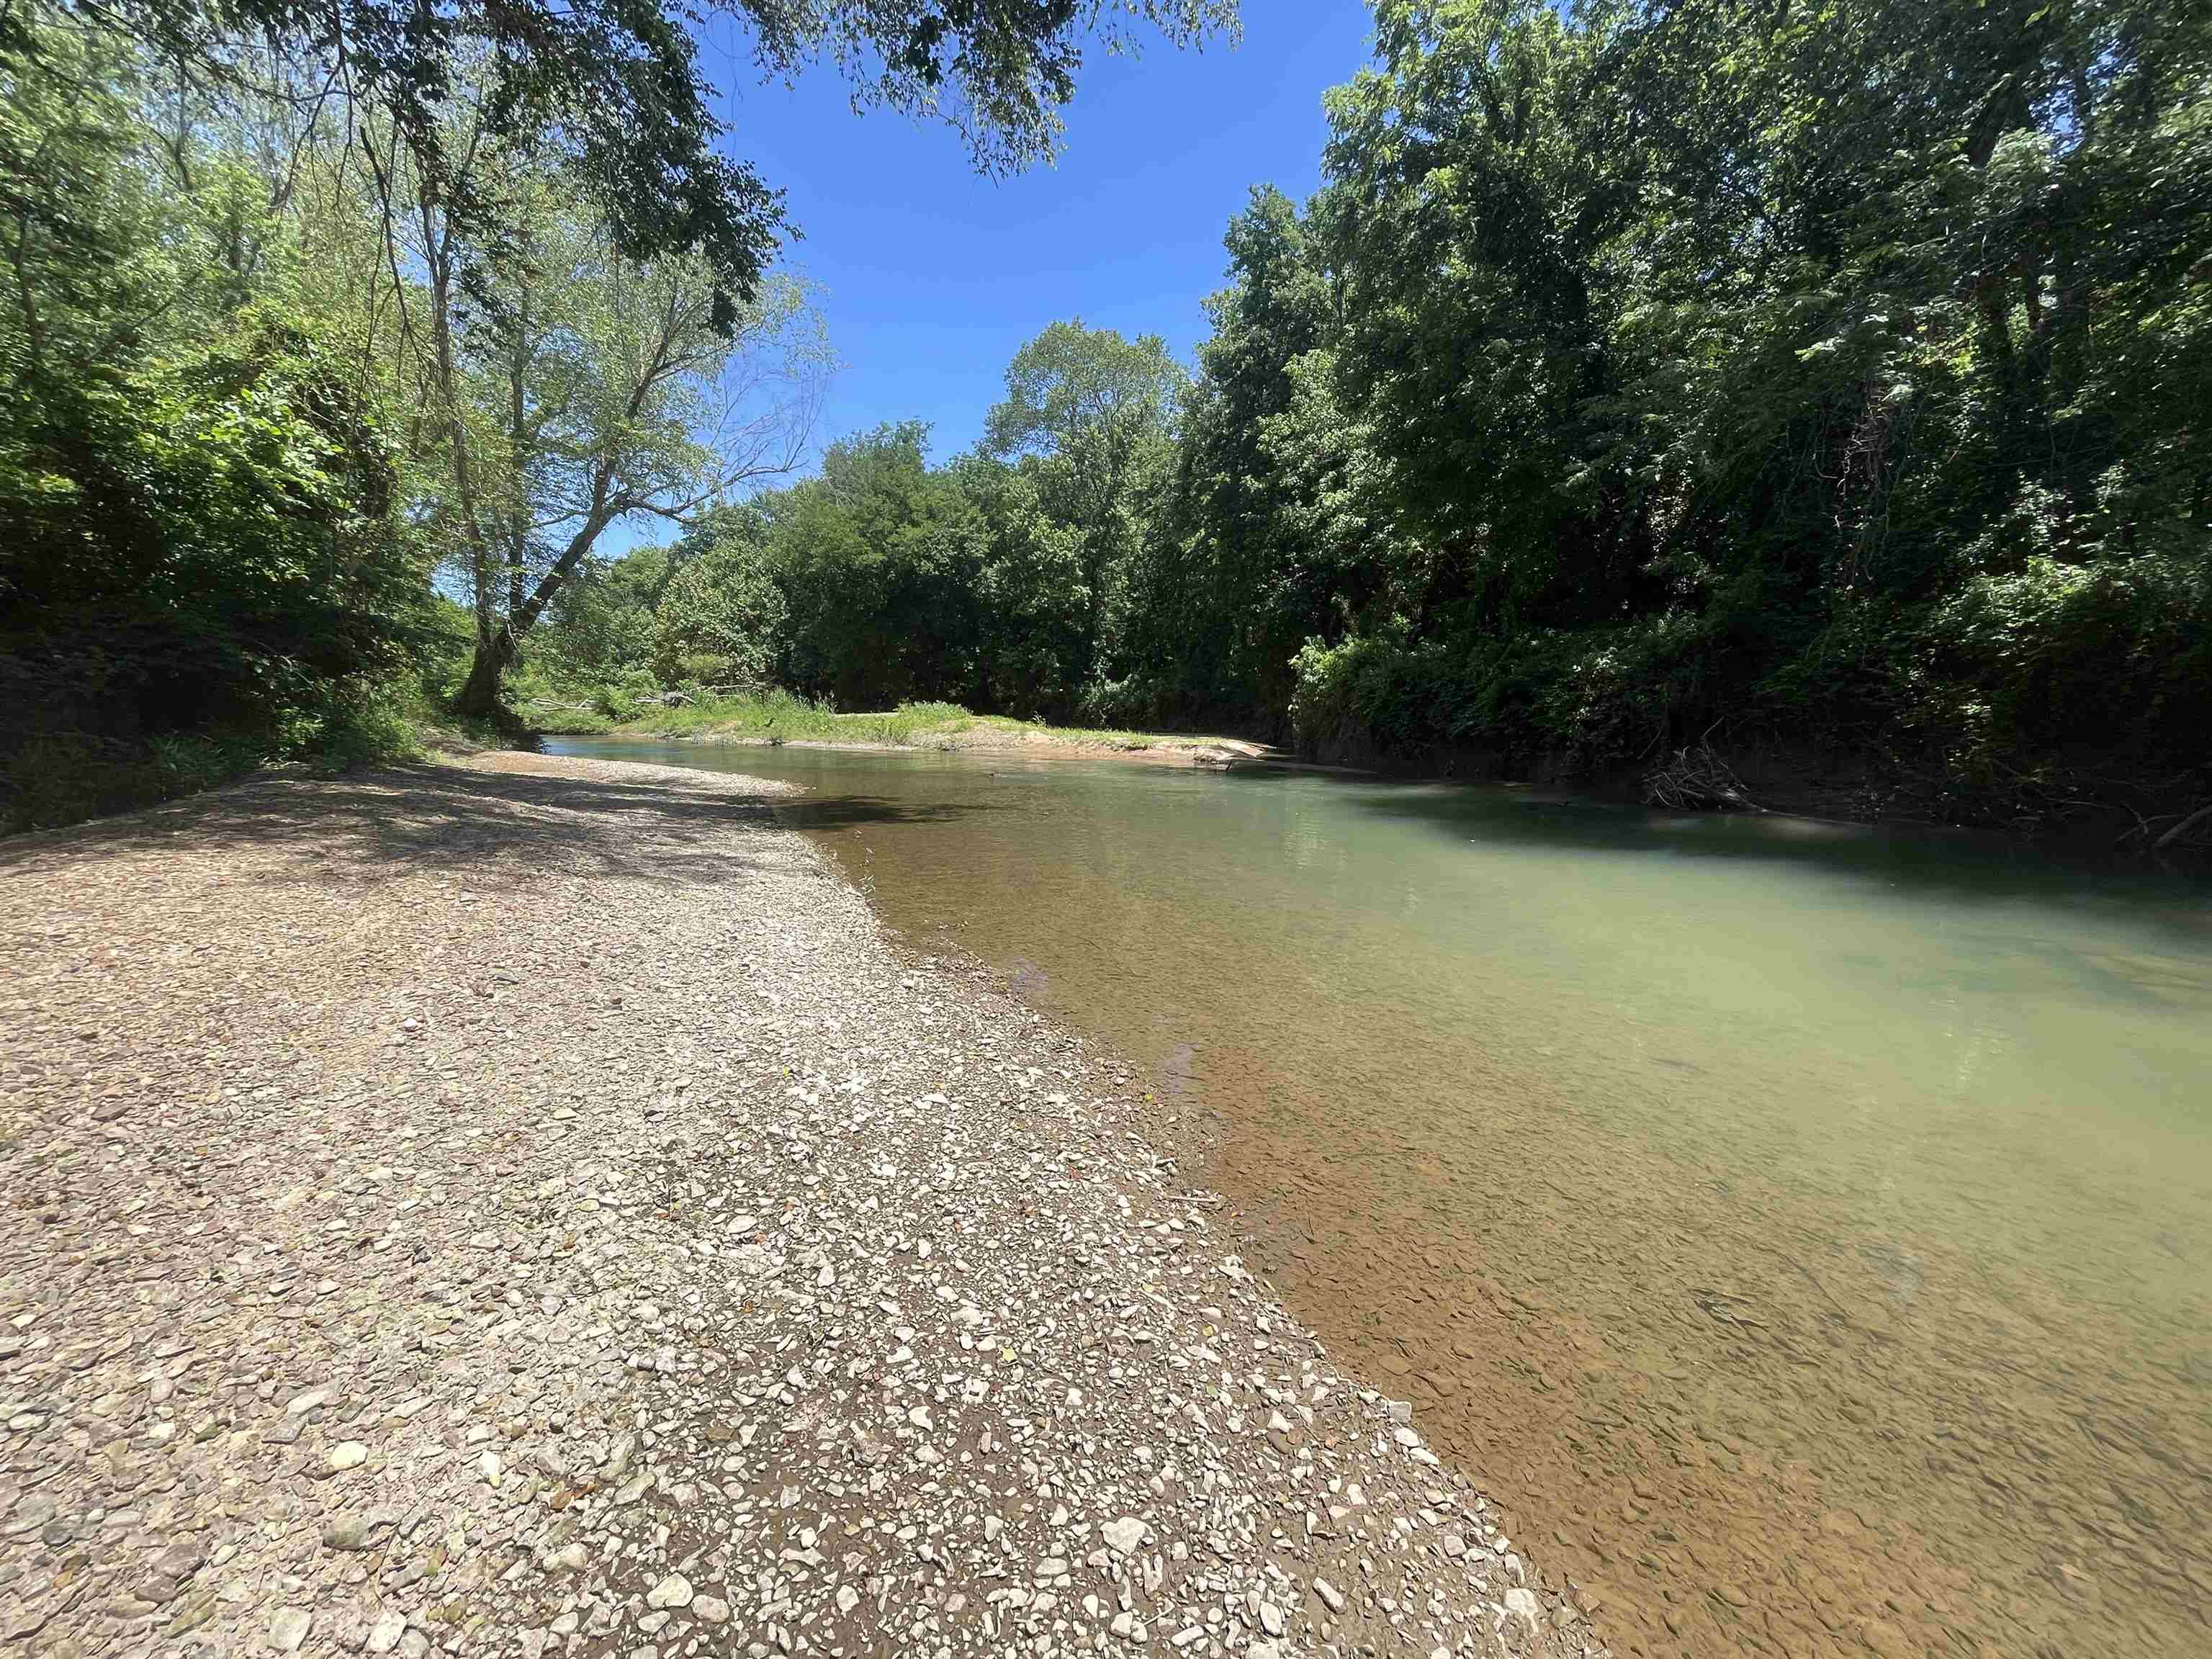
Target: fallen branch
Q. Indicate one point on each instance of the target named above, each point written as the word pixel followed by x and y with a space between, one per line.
pixel 1697 778
pixel 2182 827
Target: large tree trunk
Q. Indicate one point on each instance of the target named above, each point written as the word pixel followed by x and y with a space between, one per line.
pixel 479 693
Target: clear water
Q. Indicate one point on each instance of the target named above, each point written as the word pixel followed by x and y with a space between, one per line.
pixel 1805 1230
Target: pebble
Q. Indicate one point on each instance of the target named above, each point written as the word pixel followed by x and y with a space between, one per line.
pixel 1523 1604
pixel 288 1629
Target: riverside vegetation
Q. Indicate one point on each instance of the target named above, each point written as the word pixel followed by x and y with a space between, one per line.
pixel 1724 396
pixel 317 320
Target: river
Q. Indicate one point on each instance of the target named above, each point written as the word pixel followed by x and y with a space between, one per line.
pixel 1805 1230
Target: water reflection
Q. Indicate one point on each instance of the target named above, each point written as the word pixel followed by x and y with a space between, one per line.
pixel 1808 1228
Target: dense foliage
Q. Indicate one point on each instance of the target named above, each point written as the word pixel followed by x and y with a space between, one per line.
pixel 999 580
pixel 1817 382
pixel 1838 372
pixel 202 563
pixel 1822 387
pixel 320 319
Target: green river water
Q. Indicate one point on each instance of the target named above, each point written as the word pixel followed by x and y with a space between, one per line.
pixel 1804 1230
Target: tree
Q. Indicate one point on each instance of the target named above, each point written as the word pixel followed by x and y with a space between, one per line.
pixel 611 93
pixel 722 619
pixel 1036 592
pixel 602 624
pixel 582 389
pixel 1277 529
pixel 469 121
pixel 1643 370
pixel 878 558
pixel 196 508
pixel 1088 416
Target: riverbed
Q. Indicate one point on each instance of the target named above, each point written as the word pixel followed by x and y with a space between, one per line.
pixel 1790 1220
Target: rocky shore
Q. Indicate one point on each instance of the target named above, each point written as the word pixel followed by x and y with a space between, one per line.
pixel 531 1207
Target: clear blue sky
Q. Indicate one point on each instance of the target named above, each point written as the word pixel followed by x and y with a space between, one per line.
pixel 935 276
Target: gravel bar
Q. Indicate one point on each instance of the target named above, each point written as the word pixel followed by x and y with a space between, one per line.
pixel 531 1205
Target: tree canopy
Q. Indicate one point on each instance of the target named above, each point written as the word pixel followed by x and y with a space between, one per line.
pixel 320 316
pixel 1826 382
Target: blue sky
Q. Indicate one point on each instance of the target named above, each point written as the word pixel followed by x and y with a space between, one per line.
pixel 934 276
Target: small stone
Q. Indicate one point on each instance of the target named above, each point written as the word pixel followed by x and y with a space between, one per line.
pixel 1886 1639
pixel 384 1635
pixel 1331 1597
pixel 710 1609
pixel 349 1455
pixel 1271 1619
pixel 180 1560
pixel 673 1591
pixel 1522 1604
pixel 289 1628
pixel 847 1598
pixel 1123 1535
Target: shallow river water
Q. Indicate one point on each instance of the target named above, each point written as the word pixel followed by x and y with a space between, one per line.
pixel 1806 1232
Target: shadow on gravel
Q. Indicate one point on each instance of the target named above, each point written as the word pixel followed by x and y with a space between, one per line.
pixel 500 829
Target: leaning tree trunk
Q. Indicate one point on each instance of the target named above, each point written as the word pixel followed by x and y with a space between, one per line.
pixel 479 695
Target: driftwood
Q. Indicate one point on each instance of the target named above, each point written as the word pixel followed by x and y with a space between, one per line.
pixel 2156 839
pixel 2182 829
pixel 1697 778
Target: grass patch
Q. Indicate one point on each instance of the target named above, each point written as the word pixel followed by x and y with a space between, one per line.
pixel 775 717
pixel 781 717
pixel 1108 738
pixel 631 706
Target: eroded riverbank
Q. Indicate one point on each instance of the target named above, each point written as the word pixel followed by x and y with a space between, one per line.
pixel 531 1207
